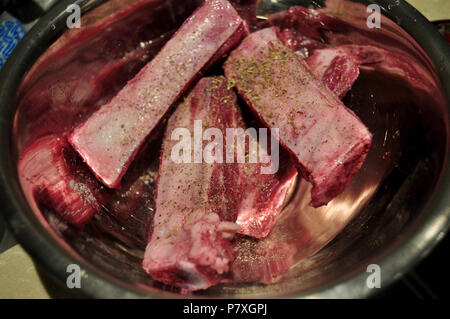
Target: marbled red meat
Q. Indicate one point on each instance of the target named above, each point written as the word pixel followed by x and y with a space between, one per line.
pixel 198 203
pixel 263 196
pixel 247 9
pixel 337 69
pixel 370 57
pixel 328 142
pixel 389 50
pixel 111 137
pixel 50 176
pixel 190 243
pixel 300 29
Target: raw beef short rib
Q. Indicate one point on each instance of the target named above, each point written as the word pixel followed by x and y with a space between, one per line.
pixel 197 204
pixel 48 177
pixel 110 139
pixel 328 141
pixel 190 243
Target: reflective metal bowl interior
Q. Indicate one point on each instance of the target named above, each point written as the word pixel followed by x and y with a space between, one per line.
pixel 375 219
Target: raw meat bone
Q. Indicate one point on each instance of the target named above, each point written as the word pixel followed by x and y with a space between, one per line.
pixel 190 244
pixel 197 203
pixel 327 141
pixel 110 139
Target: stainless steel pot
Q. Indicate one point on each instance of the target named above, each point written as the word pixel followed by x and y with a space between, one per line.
pixel 398 210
